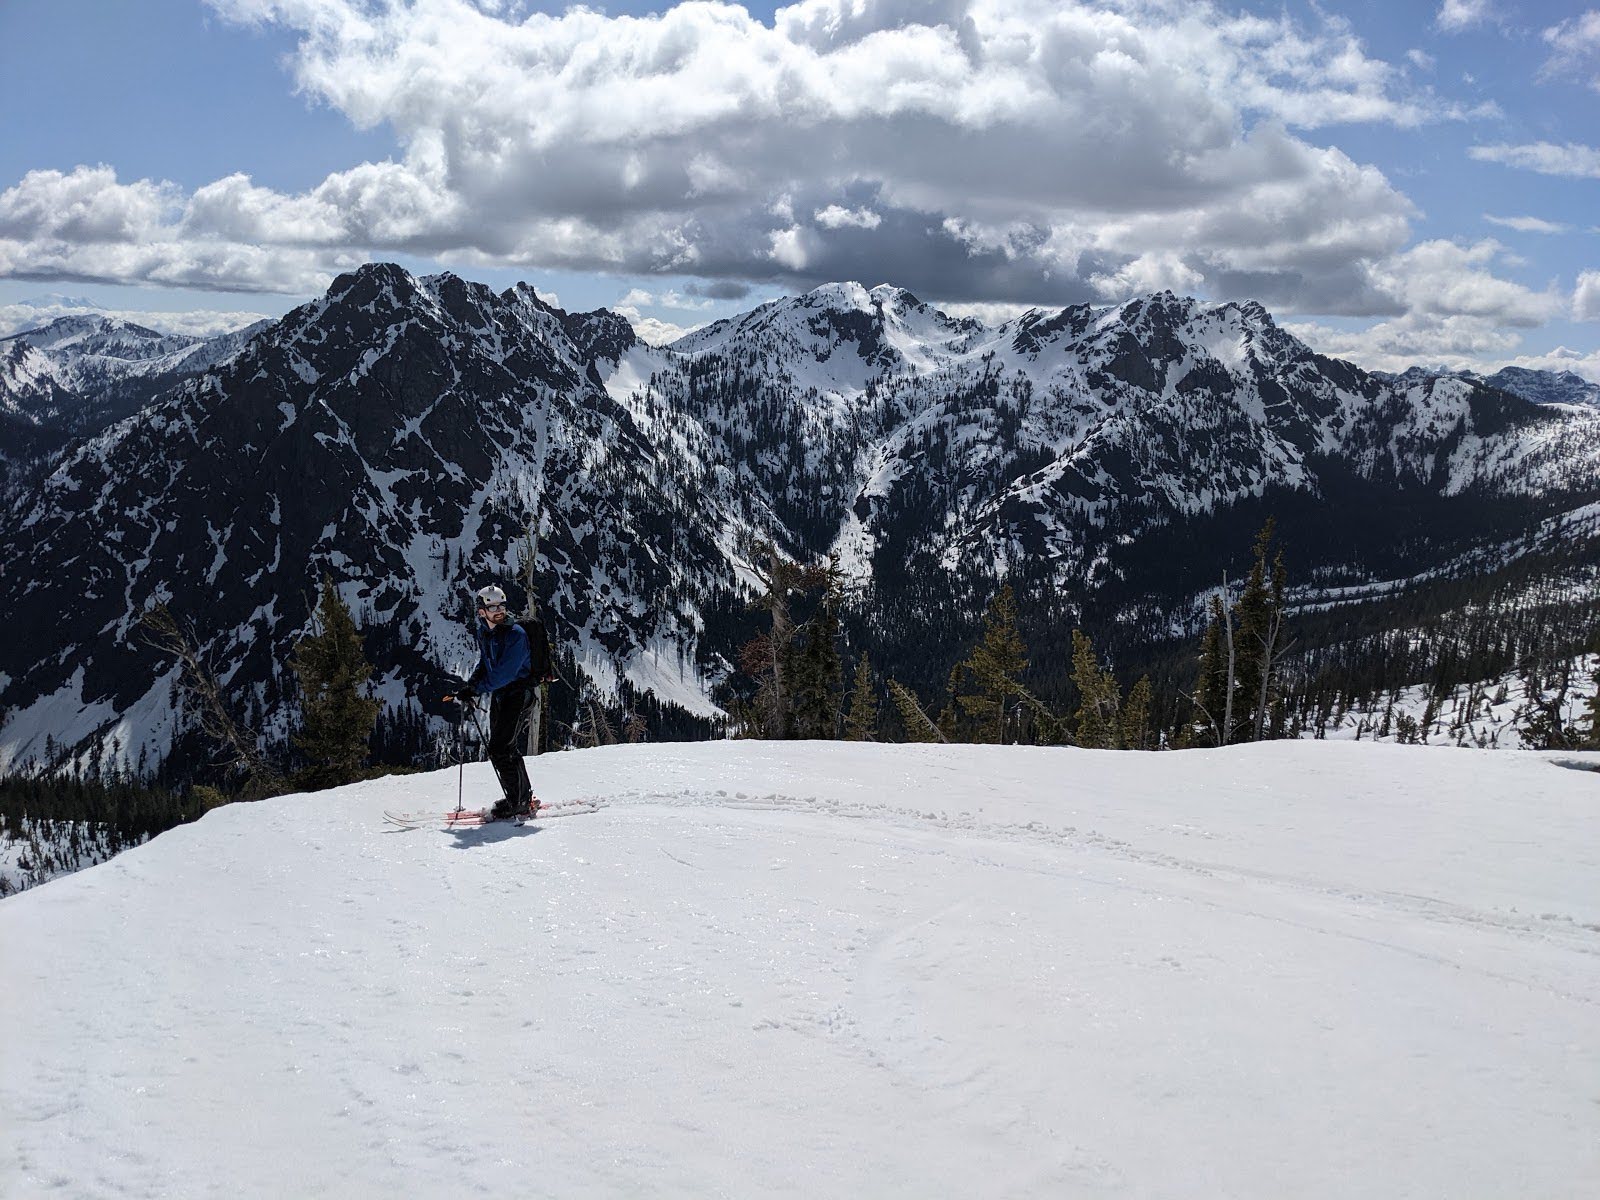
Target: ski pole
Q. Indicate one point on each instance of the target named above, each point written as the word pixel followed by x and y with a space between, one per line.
pixel 461 766
pixel 461 747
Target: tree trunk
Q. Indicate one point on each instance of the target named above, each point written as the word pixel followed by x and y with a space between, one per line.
pixel 1225 734
pixel 1268 646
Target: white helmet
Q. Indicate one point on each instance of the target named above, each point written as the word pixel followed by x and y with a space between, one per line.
pixel 490 596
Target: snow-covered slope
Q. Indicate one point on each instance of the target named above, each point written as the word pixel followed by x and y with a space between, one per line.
pixel 1487 714
pixel 35 406
pixel 1290 969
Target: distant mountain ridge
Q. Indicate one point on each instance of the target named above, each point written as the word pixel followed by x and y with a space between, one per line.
pixel 1542 387
pixel 76 375
pixel 404 434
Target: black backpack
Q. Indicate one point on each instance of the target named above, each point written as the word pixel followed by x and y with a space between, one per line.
pixel 539 660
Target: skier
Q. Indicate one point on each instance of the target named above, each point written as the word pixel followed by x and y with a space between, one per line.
pixel 505 673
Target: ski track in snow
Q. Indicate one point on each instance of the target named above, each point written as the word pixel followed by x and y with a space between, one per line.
pixel 1297 969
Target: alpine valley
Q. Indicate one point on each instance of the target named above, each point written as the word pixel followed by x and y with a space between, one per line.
pixel 404 434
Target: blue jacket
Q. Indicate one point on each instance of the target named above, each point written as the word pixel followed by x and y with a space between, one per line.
pixel 503 658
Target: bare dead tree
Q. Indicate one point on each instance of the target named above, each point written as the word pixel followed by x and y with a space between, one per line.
pixel 919 726
pixel 604 735
pixel 242 754
pixel 1233 664
pixel 530 571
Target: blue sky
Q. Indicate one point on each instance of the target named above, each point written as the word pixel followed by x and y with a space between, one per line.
pixel 1398 182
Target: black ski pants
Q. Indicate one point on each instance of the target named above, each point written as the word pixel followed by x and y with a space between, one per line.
pixel 510 710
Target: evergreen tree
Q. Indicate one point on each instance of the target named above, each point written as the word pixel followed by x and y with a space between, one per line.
pixel 1593 710
pixel 768 657
pixel 1213 695
pixel 1100 699
pixel 861 723
pixel 994 669
pixel 337 718
pixel 1237 698
pixel 816 673
pixel 1136 716
pixel 1258 625
pixel 949 722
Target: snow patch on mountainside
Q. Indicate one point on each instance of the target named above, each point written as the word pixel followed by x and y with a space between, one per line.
pixel 1486 714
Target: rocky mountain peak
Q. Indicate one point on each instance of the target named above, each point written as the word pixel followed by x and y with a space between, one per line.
pixel 403 433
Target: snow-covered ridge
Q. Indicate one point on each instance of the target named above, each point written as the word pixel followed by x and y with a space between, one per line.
pixel 402 434
pixel 1308 970
pixel 405 432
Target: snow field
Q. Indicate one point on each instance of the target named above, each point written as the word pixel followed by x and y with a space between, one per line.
pixel 1292 969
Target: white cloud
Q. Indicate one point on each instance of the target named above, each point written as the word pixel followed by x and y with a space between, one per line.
pixel 788 247
pixel 15 318
pixel 1421 59
pixel 838 217
pixel 1452 312
pixel 1575 48
pixel 988 313
pixel 85 226
pixel 661 333
pixel 652 330
pixel 1458 343
pixel 1162 271
pixel 1527 224
pixel 639 298
pixel 1572 160
pixel 1586 297
pixel 1451 344
pixel 1456 15
pixel 1560 359
pixel 1161 144
pixel 1441 279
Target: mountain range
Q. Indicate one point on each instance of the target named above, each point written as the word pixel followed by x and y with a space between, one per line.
pixel 412 437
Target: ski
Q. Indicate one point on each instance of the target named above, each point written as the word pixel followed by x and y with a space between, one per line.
pixel 474 818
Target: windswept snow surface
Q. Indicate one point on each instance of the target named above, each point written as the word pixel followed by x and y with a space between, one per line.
pixel 1294 969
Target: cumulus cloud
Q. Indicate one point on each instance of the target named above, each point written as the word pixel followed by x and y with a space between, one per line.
pixel 650 329
pixel 838 217
pixel 639 297
pixel 87 227
pixel 1451 311
pixel 1562 358
pixel 1156 272
pixel 1586 297
pixel 1451 343
pixel 1441 279
pixel 988 151
pixel 1571 160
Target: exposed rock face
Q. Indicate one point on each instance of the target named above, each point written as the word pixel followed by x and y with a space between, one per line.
pixel 403 433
